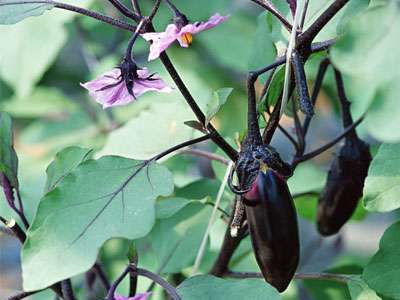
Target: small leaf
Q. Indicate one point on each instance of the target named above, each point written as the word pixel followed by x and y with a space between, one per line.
pixel 8 157
pixel 13 11
pixel 64 163
pixel 195 125
pixel 99 200
pixel 359 290
pixel 207 287
pixel 215 103
pixel 383 271
pixel 382 185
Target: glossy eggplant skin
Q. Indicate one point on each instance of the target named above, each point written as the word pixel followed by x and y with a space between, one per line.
pixel 273 228
pixel 344 186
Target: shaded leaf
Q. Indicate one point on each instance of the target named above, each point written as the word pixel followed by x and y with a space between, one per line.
pixel 174 241
pixel 382 185
pixel 8 157
pixel 218 99
pixel 154 130
pixel 372 78
pixel 383 271
pixel 207 287
pixel 13 11
pixel 98 200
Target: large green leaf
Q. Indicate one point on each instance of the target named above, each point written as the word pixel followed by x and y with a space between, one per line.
pixel 99 200
pixel 367 55
pixel 382 185
pixel 13 11
pixel 28 52
pixel 154 130
pixel 64 163
pixel 208 287
pixel 383 271
pixel 8 157
pixel 307 178
pixel 359 290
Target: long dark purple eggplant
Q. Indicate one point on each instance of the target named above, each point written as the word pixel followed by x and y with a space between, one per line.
pixel 273 228
pixel 344 186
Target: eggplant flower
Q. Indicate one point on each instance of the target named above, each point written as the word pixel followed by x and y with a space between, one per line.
pixel 122 85
pixel 182 33
pixel 142 296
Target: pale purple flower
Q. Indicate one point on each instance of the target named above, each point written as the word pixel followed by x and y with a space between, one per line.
pixel 184 34
pixel 109 89
pixel 141 296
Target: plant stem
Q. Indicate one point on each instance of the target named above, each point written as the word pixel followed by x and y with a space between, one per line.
pixel 206 154
pixel 203 243
pixel 301 83
pixel 145 273
pixel 124 10
pixel 341 278
pixel 323 66
pixel 161 281
pixel 215 136
pixel 67 291
pixel 136 7
pixel 102 275
pixel 228 247
pixel 344 103
pixel 318 151
pixel 308 36
pixel 269 6
pixel 23 295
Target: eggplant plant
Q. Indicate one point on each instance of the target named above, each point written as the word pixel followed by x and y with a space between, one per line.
pixel 172 149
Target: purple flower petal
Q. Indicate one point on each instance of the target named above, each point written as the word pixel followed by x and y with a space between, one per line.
pixel 141 296
pixel 109 90
pixel 162 40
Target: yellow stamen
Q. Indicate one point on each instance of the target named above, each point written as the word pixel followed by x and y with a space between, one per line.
pixel 187 38
pixel 263 167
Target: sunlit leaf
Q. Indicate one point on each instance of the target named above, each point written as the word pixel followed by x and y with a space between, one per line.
pixel 100 199
pixel 383 271
pixel 382 185
pixel 208 287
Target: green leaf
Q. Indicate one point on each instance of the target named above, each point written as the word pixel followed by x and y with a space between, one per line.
pixel 8 157
pixel 28 52
pixel 307 178
pixel 373 79
pixel 215 103
pixel 175 240
pixel 383 271
pixel 42 103
pixel 98 200
pixel 63 164
pixel 207 287
pixel 166 208
pixel 263 51
pixel 382 185
pixel 152 131
pixel 13 11
pixel 359 290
